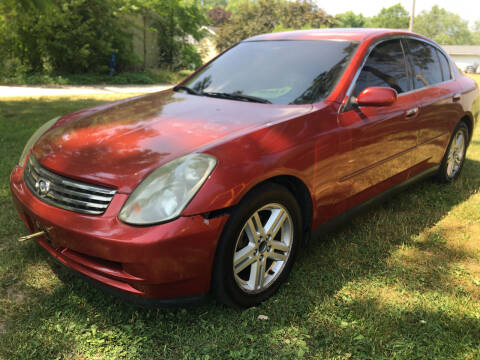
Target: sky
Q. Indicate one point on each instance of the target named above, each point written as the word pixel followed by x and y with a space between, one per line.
pixel 467 9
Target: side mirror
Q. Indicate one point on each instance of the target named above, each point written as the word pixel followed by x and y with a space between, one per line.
pixel 377 96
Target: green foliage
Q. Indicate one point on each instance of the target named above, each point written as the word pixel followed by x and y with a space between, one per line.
pixel 218 16
pixel 350 20
pixel 234 5
pixel 264 16
pixel 79 36
pixel 180 20
pixel 440 25
pixel 476 33
pixel 443 26
pixel 167 76
pixel 301 14
pixel 212 4
pixel 177 24
pixel 394 17
pixel 66 36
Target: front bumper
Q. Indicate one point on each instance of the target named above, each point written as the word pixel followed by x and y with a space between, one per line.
pixel 164 261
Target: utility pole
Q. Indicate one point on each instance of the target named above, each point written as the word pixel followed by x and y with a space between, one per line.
pixel 412 16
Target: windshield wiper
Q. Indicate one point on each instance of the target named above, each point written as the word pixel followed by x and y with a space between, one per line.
pixel 223 95
pixel 233 96
pixel 187 89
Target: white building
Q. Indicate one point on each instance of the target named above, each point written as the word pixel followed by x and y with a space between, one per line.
pixel 464 55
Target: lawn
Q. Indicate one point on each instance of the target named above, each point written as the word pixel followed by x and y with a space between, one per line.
pixel 401 281
pixel 151 76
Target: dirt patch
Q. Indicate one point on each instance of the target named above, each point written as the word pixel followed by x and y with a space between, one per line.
pixel 16 295
pixel 470 281
pixel 3 328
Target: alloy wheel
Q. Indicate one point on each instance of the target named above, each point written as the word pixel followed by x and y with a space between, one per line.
pixel 262 248
pixel 456 154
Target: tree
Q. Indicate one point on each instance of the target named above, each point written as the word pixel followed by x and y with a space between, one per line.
pixel 443 26
pixel 179 19
pixel 350 20
pixel 218 16
pixel 81 35
pixel 212 4
pixel 476 33
pixel 394 17
pixel 27 4
pixel 176 23
pixel 63 36
pixel 74 36
pixel 234 5
pixel 301 14
pixel 253 18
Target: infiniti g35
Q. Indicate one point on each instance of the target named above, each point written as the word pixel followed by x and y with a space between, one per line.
pixel 212 186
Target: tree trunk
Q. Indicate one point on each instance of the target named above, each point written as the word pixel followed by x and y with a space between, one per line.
pixel 144 42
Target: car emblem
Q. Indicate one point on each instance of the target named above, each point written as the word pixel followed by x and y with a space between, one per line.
pixel 43 187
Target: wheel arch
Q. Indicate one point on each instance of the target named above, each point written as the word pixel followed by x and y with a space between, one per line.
pixel 468 120
pixel 299 190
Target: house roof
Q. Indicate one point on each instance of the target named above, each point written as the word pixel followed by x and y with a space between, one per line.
pixel 462 49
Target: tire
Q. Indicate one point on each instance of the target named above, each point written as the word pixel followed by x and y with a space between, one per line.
pixel 248 248
pixel 454 157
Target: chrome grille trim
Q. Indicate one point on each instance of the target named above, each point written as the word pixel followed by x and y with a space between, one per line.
pixel 66 193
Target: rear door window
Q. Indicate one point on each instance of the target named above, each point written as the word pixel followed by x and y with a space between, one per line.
pixel 446 73
pixel 384 67
pixel 426 64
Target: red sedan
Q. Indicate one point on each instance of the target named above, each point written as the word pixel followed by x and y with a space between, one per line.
pixel 214 185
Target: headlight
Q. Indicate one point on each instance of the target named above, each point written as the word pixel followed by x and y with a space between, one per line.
pixel 33 139
pixel 164 194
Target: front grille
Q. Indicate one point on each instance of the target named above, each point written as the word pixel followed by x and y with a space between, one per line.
pixel 66 193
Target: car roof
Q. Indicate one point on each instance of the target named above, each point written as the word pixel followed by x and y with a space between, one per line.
pixel 352 34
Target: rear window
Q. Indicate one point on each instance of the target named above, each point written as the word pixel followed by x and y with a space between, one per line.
pixel 282 72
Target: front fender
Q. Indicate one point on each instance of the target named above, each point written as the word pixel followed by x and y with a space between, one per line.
pixel 294 148
pixel 251 159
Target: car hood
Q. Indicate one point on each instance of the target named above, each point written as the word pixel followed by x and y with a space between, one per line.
pixel 120 144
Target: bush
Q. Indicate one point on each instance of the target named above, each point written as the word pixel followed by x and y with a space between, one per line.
pixel 188 58
pixel 167 76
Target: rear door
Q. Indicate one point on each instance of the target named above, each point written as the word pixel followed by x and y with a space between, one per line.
pixel 437 100
pixel 379 141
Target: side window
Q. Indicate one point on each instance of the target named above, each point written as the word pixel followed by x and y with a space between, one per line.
pixel 446 74
pixel 426 65
pixel 386 67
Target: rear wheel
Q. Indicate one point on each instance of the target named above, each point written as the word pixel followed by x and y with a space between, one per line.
pixel 454 158
pixel 257 247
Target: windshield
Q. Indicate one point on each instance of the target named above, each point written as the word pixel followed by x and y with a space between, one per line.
pixel 281 72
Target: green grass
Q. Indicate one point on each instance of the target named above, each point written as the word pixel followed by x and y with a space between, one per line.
pixel 399 282
pixel 152 76
pixel 475 77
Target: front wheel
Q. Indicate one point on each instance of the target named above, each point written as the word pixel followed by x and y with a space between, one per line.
pixel 454 158
pixel 257 247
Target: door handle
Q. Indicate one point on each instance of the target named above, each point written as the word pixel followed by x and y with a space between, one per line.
pixel 411 113
pixel 456 97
